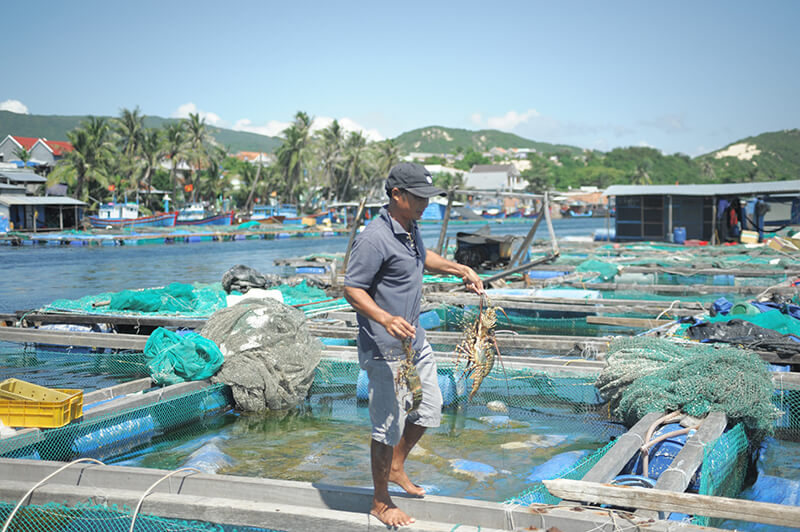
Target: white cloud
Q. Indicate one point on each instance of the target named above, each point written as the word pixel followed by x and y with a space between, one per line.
pixel 274 128
pixel 476 118
pixel 15 106
pixel 184 110
pixel 644 144
pixel 511 119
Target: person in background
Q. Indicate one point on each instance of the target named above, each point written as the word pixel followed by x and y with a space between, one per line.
pixel 383 283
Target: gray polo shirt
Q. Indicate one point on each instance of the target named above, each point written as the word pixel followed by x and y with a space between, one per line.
pixel 387 262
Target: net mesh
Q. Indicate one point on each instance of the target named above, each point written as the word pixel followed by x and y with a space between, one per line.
pixel 55 517
pixel 527 392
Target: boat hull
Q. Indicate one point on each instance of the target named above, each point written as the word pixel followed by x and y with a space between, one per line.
pixel 218 219
pixel 157 220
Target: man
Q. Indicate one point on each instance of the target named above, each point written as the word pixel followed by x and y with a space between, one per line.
pixel 383 283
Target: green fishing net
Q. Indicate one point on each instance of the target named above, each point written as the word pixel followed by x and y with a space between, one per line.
pixel 644 375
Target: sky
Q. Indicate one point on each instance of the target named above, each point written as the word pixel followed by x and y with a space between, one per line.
pixel 680 76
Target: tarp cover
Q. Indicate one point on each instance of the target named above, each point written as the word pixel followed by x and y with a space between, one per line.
pixel 270 356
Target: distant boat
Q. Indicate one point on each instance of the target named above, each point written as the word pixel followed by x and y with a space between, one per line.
pixel 126 215
pixel 226 218
pixel 196 214
pixel 285 210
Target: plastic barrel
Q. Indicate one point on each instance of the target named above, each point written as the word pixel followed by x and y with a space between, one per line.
pixel 679 235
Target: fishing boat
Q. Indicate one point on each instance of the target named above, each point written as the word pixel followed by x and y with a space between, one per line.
pixel 126 215
pixel 195 214
pixel 282 211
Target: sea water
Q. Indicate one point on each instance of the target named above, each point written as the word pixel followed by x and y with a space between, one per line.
pixel 33 276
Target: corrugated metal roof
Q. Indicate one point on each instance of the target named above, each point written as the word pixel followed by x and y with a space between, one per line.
pixel 19 199
pixel 728 189
pixel 22 176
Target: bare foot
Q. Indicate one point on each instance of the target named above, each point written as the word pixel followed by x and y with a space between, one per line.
pixel 400 478
pixel 390 515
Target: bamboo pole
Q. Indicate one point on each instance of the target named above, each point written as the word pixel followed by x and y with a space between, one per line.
pixel 353 231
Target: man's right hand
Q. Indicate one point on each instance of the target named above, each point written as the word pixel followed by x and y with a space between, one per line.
pixel 399 328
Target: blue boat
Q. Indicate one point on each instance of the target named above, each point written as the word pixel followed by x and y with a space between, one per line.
pixel 126 215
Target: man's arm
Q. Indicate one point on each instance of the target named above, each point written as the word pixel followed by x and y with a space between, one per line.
pixel 438 264
pixel 363 303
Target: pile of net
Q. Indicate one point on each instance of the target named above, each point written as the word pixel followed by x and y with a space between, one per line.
pixel 295 290
pixel 270 355
pixel 644 375
pixel 604 270
pixel 174 299
pixel 171 357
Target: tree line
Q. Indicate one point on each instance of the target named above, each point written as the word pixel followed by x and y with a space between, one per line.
pixel 121 157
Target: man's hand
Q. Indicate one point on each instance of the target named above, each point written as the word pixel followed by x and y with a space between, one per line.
pixel 471 280
pixel 399 328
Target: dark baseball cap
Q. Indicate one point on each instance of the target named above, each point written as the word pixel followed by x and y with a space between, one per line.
pixel 414 178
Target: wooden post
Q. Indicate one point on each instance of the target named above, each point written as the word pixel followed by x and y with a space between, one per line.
pixel 445 221
pixel 669 226
pixel 528 239
pixel 61 217
pixel 353 231
pixel 667 501
pixel 546 207
pixel 713 238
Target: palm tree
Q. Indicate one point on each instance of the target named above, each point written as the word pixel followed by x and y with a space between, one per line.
pixel 150 153
pixel 354 162
pixel 641 176
pixel 128 129
pixel 199 140
pixel 330 154
pixel 23 155
pixel 291 152
pixel 90 149
pixel 175 148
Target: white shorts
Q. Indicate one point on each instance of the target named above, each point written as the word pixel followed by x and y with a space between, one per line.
pixel 387 400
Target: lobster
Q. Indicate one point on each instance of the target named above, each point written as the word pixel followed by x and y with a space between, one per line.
pixel 479 345
pixel 408 377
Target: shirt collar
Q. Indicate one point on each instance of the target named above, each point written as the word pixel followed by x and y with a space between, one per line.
pixel 396 227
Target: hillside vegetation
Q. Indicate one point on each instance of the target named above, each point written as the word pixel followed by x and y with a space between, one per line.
pixel 437 139
pixel 54 127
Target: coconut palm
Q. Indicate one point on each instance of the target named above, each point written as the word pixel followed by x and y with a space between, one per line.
pixel 291 153
pixel 86 161
pixel 23 155
pixel 354 163
pixel 128 131
pixel 330 145
pixel 200 141
pixel 176 149
pixel 150 151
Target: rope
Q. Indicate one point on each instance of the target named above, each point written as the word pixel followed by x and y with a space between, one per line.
pixel 40 483
pixel 508 510
pixel 668 308
pixel 152 486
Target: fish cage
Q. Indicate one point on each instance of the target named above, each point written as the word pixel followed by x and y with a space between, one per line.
pixel 528 422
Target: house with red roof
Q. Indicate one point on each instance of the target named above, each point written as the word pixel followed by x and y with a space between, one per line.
pixel 11 144
pixel 49 152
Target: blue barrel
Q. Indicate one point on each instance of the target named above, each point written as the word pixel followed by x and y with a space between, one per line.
pixel 679 235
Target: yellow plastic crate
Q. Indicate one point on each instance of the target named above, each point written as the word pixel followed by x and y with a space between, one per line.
pixel 25 391
pixel 43 414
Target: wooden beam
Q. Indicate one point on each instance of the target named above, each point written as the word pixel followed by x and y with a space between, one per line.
pixel 683 289
pixel 626 446
pixel 117 390
pixel 353 231
pixel 642 323
pixel 132 342
pixel 667 501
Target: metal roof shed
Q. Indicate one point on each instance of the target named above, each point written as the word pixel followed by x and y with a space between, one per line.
pixel 651 212
pixel 39 212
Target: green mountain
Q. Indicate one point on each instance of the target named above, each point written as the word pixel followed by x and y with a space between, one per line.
pixel 438 139
pixel 55 127
pixel 773 156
